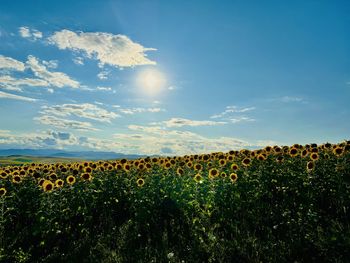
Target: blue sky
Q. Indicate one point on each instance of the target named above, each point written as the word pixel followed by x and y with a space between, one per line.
pixel 173 77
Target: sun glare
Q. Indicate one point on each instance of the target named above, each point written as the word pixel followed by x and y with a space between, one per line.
pixel 151 81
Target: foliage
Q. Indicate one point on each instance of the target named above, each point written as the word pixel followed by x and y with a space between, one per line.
pixel 285 204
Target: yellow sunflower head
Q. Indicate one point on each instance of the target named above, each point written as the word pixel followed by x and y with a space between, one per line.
pixel 198 167
pixel 213 173
pixel 16 179
pixel 86 176
pixel 314 156
pixel 338 151
pixel 234 167
pixel 59 183
pixel 2 191
pixel 246 161
pixel 310 166
pixel 180 171
pixel 140 182
pixel 70 179
pixel 293 152
pixel 198 178
pixel 233 177
pixel 48 186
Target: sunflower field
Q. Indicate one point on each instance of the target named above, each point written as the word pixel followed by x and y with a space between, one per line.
pixel 276 204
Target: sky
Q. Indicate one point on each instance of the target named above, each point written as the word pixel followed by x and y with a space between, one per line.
pixel 173 77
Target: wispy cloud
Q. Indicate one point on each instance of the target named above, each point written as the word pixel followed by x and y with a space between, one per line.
pixel 78 61
pixel 114 50
pixel 16 84
pixel 180 122
pixel 241 119
pixel 232 109
pixel 65 123
pixel 161 140
pixel 104 88
pixel 55 79
pixel 4 95
pixel 85 110
pixel 287 99
pixel 11 64
pixel 103 75
pixel 29 33
pixel 131 111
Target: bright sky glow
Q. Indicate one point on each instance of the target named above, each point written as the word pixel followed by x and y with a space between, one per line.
pixel 151 81
pixel 173 77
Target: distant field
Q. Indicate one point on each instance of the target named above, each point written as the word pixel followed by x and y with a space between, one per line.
pixel 17 160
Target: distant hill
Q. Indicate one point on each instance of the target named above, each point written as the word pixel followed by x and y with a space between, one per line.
pixel 85 155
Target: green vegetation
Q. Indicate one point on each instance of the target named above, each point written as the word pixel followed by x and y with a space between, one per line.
pixel 277 204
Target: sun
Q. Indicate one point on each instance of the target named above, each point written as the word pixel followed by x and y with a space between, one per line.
pixel 151 81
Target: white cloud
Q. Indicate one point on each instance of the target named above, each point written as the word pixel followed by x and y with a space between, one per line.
pixel 114 50
pixel 64 123
pixel 78 61
pixel 11 64
pixel 103 75
pixel 159 140
pixel 180 122
pixel 10 83
pixel 85 110
pixel 241 119
pixel 104 88
pixel 32 34
pixel 132 111
pixel 4 95
pixel 55 79
pixel 287 99
pixel 51 63
pixel 230 110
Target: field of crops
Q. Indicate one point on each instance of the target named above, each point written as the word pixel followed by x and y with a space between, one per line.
pixel 277 204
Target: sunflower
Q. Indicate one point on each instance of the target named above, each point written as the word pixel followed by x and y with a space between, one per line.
pixel 234 167
pixel 70 179
pixel 180 171
pixel 16 179
pixel 198 167
pixel 213 172
pixel 304 153
pixel 233 177
pixel 293 152
pixel 167 165
pixel 222 162
pixel 86 176
pixel 2 191
pixel 277 149
pixel 314 156
pixel 126 167
pixel 88 170
pixel 41 181
pixel 310 166
pixel 261 157
pixel 140 182
pixel 223 174
pixel 53 176
pixel 198 178
pixel 59 183
pixel 230 158
pixel 280 159
pixel 3 175
pixel 338 151
pixel 189 164
pixel 246 161
pixel 47 186
pixel 141 166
